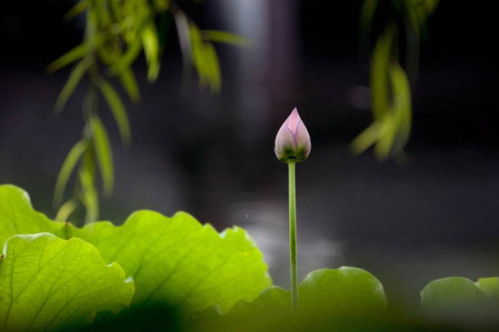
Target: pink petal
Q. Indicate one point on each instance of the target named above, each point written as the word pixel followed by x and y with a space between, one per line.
pixel 293 120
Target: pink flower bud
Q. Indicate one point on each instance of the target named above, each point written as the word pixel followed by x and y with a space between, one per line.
pixel 292 142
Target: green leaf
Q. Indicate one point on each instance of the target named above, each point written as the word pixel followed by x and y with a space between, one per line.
pixel 459 302
pixel 401 105
pixel 103 152
pixel 71 56
pixel 271 311
pixel 180 261
pixel 117 109
pixel 151 49
pixel 88 195
pixel 128 81
pixel 367 137
pixel 67 168
pixel 358 292
pixel 454 300
pixel 226 37
pixel 379 73
pixel 18 217
pixel 77 9
pixel 450 293
pixel 66 210
pixel 328 298
pixel 175 260
pixel 48 283
pixel 131 53
pixel 102 13
pixel 212 67
pixel 71 84
pixel 489 287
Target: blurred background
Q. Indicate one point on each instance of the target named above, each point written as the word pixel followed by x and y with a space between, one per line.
pixel 433 215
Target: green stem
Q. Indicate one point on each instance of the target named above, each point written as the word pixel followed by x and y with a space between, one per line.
pixel 292 233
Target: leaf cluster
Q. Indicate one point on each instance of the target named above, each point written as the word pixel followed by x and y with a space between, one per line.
pixel 160 273
pixel 116 33
pixel 55 275
pixel 390 82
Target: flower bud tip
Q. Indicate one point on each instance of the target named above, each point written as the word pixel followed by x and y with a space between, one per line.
pixel 292 142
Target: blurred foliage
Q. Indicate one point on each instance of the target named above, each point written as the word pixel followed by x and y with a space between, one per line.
pixel 116 33
pixel 390 83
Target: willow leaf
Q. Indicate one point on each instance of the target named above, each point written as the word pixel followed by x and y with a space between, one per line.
pixel 67 168
pixel 89 195
pixel 226 37
pixel 71 56
pixel 77 9
pixel 103 153
pixel 117 109
pixel 129 83
pixel 380 96
pixel 212 67
pixel 71 84
pixel 151 49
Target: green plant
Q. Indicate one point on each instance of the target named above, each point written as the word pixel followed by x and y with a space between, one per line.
pixel 390 85
pixel 293 145
pixel 153 259
pixel 54 275
pixel 116 33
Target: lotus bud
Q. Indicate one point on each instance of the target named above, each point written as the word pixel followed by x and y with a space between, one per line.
pixel 292 142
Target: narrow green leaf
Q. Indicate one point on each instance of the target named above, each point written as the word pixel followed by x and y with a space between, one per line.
pixel 151 49
pixel 89 195
pixel 401 105
pixel 91 27
pixel 66 210
pixel 212 67
pixel 117 109
pixel 48 283
pixel 77 9
pixel 366 138
pixel 102 13
pixel 127 78
pixel 73 80
pixel 67 168
pixel 380 96
pixel 226 37
pixel 387 133
pixel 128 57
pixel 71 56
pixel 198 55
pixel 103 153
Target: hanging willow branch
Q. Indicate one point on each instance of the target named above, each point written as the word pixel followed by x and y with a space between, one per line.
pixel 116 33
pixel 390 85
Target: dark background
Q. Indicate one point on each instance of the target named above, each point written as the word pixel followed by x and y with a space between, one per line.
pixel 432 216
